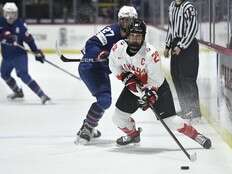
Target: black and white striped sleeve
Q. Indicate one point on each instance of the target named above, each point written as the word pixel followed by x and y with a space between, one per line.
pixel 169 36
pixel 190 15
pixel 168 40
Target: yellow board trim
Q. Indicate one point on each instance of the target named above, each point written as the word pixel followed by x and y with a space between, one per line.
pixel 77 51
pixel 66 51
pixel 224 133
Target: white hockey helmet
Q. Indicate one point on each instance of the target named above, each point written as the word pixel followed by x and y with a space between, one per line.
pixel 127 12
pixel 126 15
pixel 10 12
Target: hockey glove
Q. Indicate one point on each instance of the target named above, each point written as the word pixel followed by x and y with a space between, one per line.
pixel 130 81
pixel 103 55
pixel 148 99
pixel 39 56
pixel 9 37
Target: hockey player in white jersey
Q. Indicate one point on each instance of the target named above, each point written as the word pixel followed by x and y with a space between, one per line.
pixel 137 63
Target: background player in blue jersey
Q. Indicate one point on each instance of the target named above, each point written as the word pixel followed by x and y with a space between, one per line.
pixel 96 74
pixel 13 32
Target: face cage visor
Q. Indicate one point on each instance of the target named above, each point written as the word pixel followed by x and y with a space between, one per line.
pixel 125 23
pixel 135 41
pixel 10 16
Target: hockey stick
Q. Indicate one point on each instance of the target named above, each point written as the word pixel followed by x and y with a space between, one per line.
pixel 56 66
pixel 15 44
pixel 49 62
pixel 192 157
pixel 62 57
pixel 66 59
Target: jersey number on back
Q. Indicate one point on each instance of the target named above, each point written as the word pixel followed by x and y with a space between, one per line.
pixel 108 31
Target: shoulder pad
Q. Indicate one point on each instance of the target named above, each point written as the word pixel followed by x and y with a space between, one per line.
pixel 21 23
pixel 119 45
pixel 122 42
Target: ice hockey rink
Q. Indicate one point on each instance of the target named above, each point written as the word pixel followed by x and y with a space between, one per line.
pixel 39 139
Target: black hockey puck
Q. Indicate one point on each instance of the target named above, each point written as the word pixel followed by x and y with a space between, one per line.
pixel 184 167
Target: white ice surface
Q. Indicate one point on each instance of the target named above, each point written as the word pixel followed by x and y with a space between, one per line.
pixel 37 139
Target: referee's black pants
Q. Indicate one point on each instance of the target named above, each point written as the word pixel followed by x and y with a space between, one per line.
pixel 184 71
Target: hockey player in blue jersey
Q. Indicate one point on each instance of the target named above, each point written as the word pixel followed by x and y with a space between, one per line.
pixel 13 32
pixel 94 71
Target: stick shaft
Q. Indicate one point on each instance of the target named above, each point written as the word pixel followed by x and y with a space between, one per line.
pixel 138 87
pixel 171 133
pixel 49 62
pixel 67 59
pixel 56 66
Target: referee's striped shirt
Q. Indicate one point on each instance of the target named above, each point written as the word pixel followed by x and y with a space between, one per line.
pixel 182 24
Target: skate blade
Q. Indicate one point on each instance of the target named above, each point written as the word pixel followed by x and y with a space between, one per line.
pixel 129 145
pixel 48 102
pixel 81 141
pixel 15 100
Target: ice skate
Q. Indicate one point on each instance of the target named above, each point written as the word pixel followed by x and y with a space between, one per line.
pixel 203 141
pixel 191 118
pixel 16 95
pixel 86 133
pixel 44 99
pixel 125 140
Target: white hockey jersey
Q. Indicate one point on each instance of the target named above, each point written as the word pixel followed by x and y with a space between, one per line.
pixel 145 64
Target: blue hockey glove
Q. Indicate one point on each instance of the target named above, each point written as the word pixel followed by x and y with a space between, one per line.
pixel 7 35
pixel 103 55
pixel 39 56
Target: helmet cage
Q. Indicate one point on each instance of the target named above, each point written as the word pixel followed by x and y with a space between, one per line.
pixel 126 16
pixel 10 12
pixel 137 27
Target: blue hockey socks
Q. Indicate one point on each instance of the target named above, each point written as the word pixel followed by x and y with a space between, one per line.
pixel 94 115
pixel 35 88
pixel 12 84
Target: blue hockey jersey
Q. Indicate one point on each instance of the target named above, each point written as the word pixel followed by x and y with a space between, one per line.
pixel 102 41
pixel 19 31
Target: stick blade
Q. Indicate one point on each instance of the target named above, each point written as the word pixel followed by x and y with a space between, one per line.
pixel 63 58
pixel 193 157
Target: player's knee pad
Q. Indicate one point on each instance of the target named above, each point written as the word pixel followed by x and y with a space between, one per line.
pixel 122 119
pixel 28 38
pixel 174 122
pixel 25 77
pixel 104 100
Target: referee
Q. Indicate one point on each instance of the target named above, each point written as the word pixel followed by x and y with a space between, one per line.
pixel 184 47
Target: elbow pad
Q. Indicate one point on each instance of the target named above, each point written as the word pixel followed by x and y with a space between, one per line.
pixel 28 38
